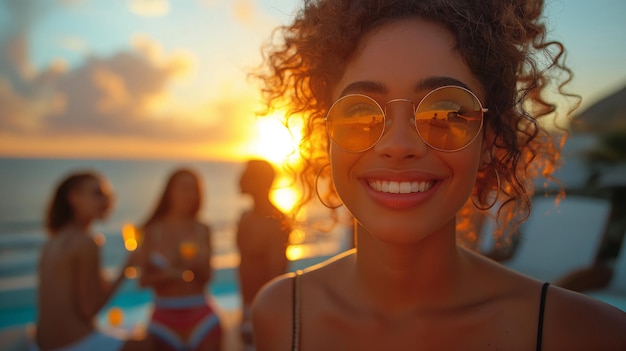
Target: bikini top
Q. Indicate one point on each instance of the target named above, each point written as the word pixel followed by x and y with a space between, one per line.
pixel 158 259
pixel 295 346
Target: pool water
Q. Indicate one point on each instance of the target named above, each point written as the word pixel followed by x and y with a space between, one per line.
pixel 18 297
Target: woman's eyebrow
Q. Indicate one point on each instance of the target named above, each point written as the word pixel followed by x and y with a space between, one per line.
pixel 372 87
pixel 364 86
pixel 436 82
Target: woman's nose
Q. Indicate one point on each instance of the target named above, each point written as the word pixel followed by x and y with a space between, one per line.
pixel 400 139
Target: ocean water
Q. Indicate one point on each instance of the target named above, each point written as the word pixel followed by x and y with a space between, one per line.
pixel 26 186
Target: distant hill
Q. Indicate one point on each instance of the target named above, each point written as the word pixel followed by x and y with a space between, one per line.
pixel 605 116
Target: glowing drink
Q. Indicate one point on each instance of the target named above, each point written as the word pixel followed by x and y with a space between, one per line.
pixel 188 249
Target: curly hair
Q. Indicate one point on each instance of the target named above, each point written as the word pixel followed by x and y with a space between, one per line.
pixel 502 42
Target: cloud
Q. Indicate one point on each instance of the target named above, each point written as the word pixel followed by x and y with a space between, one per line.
pixel 210 3
pixel 244 11
pixel 74 44
pixel 149 8
pixel 124 96
pixel 114 95
pixel 117 96
pixel 17 20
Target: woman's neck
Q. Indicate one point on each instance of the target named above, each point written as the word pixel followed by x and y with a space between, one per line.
pixel 79 225
pixel 409 276
pixel 177 217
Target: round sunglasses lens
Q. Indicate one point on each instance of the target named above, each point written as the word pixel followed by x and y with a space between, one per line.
pixel 449 118
pixel 355 122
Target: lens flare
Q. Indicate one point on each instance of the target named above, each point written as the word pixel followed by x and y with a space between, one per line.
pixel 188 276
pixel 115 317
pixel 131 237
pixel 294 252
pixel 131 272
pixel 188 249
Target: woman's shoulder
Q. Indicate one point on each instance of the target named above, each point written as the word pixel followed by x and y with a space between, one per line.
pixel 272 313
pixel 275 293
pixel 68 248
pixel 278 293
pixel 273 307
pixel 73 239
pixel 576 321
pixel 571 321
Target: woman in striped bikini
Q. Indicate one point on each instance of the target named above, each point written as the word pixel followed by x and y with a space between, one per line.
pixel 176 263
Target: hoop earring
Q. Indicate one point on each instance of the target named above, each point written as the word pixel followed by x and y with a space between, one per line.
pixel 317 190
pixel 495 199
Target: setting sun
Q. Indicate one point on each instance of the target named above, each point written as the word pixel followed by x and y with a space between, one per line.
pixel 284 196
pixel 273 141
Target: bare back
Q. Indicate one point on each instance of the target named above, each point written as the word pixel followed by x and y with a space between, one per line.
pixel 261 240
pixel 68 262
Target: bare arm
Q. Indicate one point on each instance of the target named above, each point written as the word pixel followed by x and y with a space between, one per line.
pixel 277 258
pixel 150 274
pixel 93 291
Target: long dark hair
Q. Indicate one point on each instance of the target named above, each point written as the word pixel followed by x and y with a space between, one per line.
pixel 60 211
pixel 164 202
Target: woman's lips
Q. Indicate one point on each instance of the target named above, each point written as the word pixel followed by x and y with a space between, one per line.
pixel 400 187
pixel 401 194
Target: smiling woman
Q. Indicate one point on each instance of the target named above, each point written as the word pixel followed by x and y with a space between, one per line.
pixel 418 113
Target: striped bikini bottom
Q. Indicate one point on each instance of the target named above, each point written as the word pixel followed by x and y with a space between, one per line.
pixel 184 322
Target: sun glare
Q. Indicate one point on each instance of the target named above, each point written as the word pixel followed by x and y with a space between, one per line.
pixel 273 141
pixel 284 196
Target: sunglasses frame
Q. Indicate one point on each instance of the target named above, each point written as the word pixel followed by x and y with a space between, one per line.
pixel 483 110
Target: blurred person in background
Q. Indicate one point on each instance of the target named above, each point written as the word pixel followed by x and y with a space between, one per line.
pixel 72 289
pixel 262 238
pixel 175 261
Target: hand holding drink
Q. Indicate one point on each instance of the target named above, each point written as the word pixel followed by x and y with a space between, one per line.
pixel 188 250
pixel 132 237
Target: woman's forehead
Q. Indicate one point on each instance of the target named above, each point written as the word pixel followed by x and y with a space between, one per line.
pixel 401 54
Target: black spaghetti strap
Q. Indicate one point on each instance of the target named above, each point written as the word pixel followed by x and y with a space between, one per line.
pixel 542 305
pixel 295 339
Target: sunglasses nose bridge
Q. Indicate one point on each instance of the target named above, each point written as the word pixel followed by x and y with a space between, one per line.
pixel 398 112
pixel 394 108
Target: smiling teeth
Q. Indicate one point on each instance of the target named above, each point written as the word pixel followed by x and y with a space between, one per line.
pixel 386 186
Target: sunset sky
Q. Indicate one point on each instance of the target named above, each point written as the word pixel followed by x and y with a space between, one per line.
pixel 167 79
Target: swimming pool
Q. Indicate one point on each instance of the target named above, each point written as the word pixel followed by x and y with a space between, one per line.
pixel 18 297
